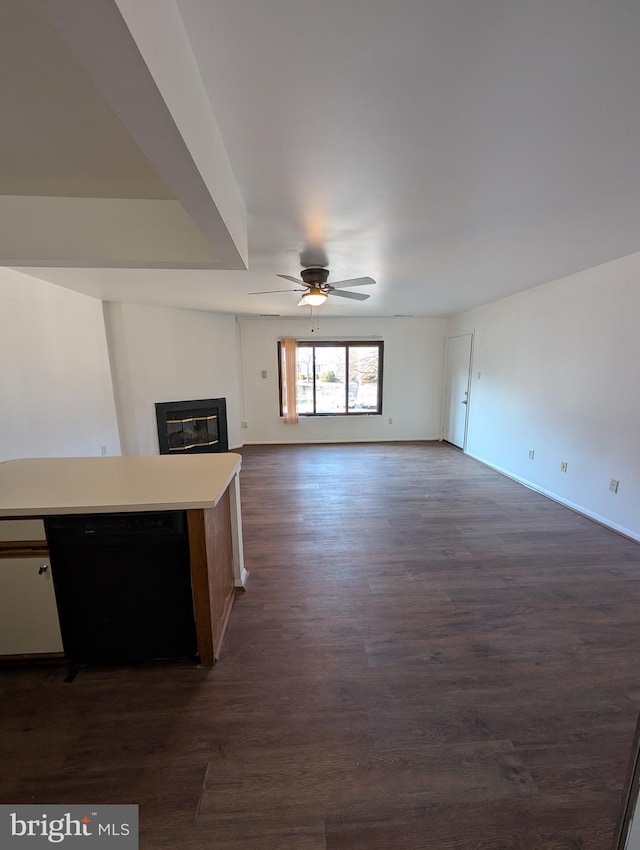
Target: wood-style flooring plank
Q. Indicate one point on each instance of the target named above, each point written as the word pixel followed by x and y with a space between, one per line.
pixel 427 656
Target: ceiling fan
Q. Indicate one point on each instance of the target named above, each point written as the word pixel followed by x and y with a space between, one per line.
pixel 317 290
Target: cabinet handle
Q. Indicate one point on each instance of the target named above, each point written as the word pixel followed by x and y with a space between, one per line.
pixel 43 569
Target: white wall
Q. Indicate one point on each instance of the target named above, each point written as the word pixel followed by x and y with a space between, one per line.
pixel 558 369
pixel 412 389
pixel 56 397
pixel 163 354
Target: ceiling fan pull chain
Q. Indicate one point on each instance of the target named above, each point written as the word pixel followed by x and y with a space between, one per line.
pixel 314 319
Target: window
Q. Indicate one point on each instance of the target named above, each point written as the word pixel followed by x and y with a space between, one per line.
pixel 336 378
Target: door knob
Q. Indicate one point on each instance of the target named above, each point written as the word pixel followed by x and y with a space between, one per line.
pixel 43 569
pixel 464 402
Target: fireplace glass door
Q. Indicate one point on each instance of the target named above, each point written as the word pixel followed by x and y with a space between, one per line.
pixel 191 432
pixel 189 427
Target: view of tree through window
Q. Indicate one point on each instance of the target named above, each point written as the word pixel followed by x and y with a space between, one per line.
pixel 338 378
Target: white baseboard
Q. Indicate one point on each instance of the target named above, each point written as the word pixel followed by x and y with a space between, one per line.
pixel 338 442
pixel 579 509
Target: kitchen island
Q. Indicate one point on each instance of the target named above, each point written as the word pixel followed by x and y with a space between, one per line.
pixel 203 488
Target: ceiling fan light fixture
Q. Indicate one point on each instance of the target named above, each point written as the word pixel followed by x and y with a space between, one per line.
pixel 315 297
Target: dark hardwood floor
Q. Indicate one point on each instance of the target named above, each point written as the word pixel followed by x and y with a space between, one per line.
pixel 428 656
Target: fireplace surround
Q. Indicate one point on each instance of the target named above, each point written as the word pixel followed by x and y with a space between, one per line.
pixel 192 427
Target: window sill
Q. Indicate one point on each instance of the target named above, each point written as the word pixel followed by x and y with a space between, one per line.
pixel 302 416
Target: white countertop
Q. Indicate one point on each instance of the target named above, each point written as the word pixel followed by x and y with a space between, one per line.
pixel 80 485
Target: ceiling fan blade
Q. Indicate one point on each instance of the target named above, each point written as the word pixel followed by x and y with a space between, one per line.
pixel 354 281
pixel 357 296
pixel 292 279
pixel 269 291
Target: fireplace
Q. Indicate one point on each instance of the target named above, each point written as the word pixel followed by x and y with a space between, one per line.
pixel 191 427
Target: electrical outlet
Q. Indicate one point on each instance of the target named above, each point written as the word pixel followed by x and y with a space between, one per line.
pixel 390 421
pixel 532 454
pixel 613 485
pixel 244 424
pixel 264 373
pixel 103 450
pixel 563 466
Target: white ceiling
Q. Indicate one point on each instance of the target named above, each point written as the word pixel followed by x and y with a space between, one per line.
pixel 455 150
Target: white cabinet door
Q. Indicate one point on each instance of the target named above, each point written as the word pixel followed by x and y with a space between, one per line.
pixel 21 529
pixel 28 612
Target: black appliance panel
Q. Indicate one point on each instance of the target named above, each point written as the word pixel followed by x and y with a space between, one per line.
pixel 123 586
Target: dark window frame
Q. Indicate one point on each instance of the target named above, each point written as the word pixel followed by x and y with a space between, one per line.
pixel 346 344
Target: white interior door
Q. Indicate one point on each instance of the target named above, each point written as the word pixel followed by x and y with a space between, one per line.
pixel 456 389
